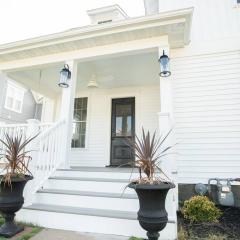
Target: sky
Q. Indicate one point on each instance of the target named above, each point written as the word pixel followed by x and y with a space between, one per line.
pixel 23 19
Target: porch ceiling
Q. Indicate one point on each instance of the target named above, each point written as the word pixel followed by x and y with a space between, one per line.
pixel 111 72
pixel 132 70
pixel 174 24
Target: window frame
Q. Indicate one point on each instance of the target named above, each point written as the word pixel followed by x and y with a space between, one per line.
pixel 17 90
pixel 80 121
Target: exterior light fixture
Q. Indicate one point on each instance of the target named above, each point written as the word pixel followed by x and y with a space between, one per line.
pixel 65 75
pixel 164 65
pixel 93 82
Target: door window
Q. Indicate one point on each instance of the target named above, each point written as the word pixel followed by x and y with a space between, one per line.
pixel 123 120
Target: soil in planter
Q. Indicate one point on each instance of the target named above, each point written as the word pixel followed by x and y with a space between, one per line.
pixel 228 226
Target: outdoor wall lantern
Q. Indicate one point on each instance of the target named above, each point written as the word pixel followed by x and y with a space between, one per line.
pixel 164 65
pixel 65 75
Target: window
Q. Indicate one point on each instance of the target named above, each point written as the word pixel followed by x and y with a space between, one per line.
pixel 14 98
pixel 79 123
pixel 238 1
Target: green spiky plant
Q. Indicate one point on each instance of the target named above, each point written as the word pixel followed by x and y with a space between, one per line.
pixel 148 152
pixel 16 157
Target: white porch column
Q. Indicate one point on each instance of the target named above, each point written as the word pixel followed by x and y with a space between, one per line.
pixel 67 108
pixel 166 122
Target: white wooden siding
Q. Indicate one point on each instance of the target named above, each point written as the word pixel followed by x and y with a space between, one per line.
pixel 212 19
pixel 97 151
pixel 206 99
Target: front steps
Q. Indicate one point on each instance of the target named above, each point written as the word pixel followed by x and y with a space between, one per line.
pixel 90 200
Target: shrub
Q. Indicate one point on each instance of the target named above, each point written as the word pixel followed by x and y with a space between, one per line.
pixel 182 234
pixel 200 209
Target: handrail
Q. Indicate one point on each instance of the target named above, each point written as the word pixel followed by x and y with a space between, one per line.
pixel 51 128
pixel 49 154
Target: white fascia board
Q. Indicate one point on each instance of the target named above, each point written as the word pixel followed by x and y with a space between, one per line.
pixel 92 31
pixel 188 27
pixel 86 53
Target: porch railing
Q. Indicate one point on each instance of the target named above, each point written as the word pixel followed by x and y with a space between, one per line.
pixel 49 154
pixel 47 150
pixel 12 130
pixel 20 129
pixel 45 126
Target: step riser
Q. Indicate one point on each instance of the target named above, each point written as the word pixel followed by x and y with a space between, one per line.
pixel 91 224
pixel 90 186
pixel 87 201
pixel 111 175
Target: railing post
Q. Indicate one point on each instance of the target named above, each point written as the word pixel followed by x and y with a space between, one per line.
pixel 32 130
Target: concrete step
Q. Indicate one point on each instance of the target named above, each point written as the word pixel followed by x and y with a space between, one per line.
pixel 89 220
pixel 88 184
pixel 98 172
pixel 85 199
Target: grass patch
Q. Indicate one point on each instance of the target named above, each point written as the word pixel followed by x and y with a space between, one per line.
pixel 27 236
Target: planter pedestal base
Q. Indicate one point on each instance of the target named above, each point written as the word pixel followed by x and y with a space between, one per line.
pixel 153 235
pixel 9 228
pixel 152 215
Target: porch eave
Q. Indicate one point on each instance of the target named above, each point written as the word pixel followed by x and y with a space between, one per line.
pixel 170 23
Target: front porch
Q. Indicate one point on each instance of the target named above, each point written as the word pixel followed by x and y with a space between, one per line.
pixel 133 75
pixel 85 123
pixel 121 60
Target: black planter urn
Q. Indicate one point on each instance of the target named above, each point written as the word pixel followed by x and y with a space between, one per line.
pixel 11 200
pixel 152 214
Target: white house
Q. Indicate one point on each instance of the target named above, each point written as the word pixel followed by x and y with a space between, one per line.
pixel 114 90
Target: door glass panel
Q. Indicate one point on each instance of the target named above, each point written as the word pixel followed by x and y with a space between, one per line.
pixel 123 120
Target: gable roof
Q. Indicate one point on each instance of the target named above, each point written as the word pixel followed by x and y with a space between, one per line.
pixel 175 24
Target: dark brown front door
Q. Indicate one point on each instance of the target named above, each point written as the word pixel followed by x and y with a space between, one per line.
pixel 123 129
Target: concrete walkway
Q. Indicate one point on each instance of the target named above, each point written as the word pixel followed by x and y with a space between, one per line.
pixel 52 234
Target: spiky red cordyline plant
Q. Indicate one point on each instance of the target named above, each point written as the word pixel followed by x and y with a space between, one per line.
pixel 148 152
pixel 17 158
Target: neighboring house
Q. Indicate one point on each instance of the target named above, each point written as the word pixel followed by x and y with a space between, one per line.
pixel 17 103
pixel 114 90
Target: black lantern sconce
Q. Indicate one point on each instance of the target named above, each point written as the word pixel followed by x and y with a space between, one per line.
pixel 164 65
pixel 65 75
